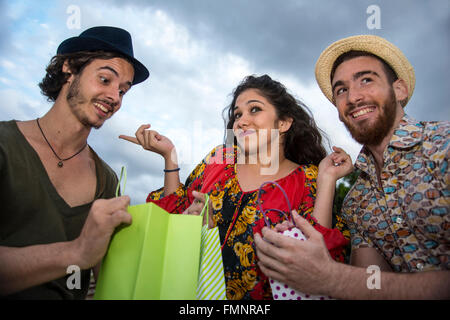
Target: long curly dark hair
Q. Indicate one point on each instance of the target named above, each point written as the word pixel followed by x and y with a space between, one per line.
pixel 303 140
pixel 55 78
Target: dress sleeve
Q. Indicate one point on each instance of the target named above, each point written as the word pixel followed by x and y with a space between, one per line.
pixel 334 239
pixel 182 197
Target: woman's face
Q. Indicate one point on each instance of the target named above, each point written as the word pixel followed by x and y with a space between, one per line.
pixel 256 124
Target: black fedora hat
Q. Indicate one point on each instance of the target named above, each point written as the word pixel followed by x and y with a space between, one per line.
pixel 107 39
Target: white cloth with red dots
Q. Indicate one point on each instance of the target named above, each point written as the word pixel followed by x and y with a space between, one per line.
pixel 281 291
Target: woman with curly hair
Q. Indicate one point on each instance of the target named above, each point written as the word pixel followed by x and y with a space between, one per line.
pixel 269 137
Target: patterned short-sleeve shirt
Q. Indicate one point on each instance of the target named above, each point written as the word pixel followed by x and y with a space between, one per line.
pixel 406 218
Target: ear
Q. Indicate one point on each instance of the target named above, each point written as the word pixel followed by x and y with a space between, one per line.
pixel 66 69
pixel 285 125
pixel 400 89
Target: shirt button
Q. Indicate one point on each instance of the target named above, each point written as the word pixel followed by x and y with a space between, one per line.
pixel 419 266
pixel 399 220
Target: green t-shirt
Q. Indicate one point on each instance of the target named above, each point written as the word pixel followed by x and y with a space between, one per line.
pixel 34 213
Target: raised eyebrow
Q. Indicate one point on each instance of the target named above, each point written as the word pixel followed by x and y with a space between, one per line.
pixel 248 102
pixel 355 77
pixel 129 83
pixel 251 101
pixel 110 69
pixel 362 73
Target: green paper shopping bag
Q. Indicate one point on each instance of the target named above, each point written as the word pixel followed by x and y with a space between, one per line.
pixel 156 257
pixel 211 280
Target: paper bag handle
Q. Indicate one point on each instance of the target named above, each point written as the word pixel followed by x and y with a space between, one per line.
pixel 123 175
pixel 264 212
pixel 206 208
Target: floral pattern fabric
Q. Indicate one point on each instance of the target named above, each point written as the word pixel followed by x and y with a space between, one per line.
pixel 406 218
pixel 238 217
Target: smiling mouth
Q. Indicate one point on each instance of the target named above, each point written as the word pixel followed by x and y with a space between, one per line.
pixel 246 133
pixel 362 112
pixel 102 108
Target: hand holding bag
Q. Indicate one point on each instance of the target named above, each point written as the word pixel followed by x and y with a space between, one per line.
pixel 281 291
pixel 156 257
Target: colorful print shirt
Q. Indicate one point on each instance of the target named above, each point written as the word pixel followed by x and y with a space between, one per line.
pixel 238 217
pixel 406 218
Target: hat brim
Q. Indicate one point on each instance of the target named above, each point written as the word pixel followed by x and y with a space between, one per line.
pixel 77 44
pixel 367 43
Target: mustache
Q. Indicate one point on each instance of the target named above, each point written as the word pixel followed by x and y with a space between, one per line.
pixel 352 106
pixel 109 103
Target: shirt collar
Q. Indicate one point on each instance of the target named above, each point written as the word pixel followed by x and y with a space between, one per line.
pixel 408 133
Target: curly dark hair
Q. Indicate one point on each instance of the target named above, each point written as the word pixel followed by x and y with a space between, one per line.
pixel 55 78
pixel 303 140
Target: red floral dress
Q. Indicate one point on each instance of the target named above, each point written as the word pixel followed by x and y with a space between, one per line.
pixel 238 217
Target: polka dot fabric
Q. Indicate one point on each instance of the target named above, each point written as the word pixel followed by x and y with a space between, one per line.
pixel 281 291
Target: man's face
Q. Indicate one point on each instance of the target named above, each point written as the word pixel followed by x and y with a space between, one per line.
pixel 365 100
pixel 96 93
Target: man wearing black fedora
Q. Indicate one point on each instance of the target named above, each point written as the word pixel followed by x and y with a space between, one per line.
pixel 59 209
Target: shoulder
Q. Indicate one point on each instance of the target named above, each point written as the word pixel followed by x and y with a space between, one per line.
pixel 310 171
pixel 222 154
pixel 215 161
pixel 8 129
pixel 440 127
pixel 11 140
pixel 436 139
pixel 436 131
pixel 430 136
pixel 106 173
pixel 107 170
pixel 303 177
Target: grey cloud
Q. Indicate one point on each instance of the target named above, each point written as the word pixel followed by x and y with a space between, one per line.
pixel 275 37
pixel 288 36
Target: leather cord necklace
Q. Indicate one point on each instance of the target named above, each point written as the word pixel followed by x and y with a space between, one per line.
pixel 60 163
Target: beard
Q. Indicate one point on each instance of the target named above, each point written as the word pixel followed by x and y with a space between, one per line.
pixel 373 134
pixel 76 100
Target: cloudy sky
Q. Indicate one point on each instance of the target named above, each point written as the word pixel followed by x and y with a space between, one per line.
pixel 198 51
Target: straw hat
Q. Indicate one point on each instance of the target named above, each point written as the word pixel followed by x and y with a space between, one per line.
pixel 368 43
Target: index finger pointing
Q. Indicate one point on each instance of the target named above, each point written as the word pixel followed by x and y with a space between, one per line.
pixel 128 138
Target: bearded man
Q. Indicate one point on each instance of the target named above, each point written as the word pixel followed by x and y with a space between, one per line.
pixel 55 190
pixel 398 210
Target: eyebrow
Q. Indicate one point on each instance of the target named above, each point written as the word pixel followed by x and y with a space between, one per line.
pixel 251 101
pixel 248 102
pixel 355 77
pixel 129 83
